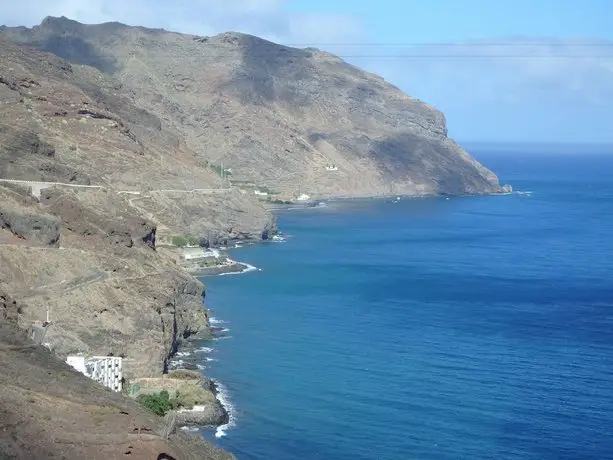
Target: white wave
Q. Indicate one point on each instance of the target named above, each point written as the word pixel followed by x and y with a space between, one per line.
pixel 204 350
pixel 248 268
pixel 191 429
pixel 181 354
pixel 214 320
pixel 224 398
pixel 200 367
pixel 208 360
pixel 223 337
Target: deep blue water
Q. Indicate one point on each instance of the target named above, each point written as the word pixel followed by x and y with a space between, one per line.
pixel 463 328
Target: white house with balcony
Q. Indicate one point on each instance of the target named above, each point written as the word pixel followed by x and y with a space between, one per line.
pixel 106 370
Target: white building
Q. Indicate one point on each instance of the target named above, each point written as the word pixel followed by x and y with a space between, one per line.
pixel 259 192
pixel 199 253
pixel 303 197
pixel 106 370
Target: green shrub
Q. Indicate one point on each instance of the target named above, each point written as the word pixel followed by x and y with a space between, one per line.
pixel 181 241
pixel 159 403
pixel 219 171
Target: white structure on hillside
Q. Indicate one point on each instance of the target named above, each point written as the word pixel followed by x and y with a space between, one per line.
pixel 106 370
pixel 260 193
pixel 303 197
pixel 199 253
pixel 331 168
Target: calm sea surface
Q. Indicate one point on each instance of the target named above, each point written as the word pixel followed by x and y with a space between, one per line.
pixel 463 328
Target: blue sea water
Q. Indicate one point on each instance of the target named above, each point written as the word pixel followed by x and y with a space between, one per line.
pixel 462 328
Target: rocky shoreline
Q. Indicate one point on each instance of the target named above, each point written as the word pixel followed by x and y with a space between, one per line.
pixel 235 267
pixel 214 414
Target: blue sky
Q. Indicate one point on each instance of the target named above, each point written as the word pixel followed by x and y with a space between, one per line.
pixel 434 21
pixel 502 70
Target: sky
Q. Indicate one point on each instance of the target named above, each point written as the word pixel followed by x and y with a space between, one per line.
pixel 501 71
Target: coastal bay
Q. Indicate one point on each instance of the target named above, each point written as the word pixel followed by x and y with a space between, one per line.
pixel 416 329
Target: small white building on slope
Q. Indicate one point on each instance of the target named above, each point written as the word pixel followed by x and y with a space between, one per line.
pixel 106 370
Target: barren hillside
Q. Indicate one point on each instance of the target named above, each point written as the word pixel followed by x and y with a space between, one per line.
pixel 292 120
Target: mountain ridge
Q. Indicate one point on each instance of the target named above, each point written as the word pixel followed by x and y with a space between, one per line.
pixel 275 115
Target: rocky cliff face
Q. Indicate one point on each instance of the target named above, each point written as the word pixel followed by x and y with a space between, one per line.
pixel 107 288
pixel 71 124
pixel 293 120
pixel 51 411
pixel 89 254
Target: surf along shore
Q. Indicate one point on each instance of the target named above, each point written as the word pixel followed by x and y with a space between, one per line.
pixel 211 407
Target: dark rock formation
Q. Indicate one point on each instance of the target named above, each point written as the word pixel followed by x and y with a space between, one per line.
pixel 9 309
pixel 213 414
pixel 41 229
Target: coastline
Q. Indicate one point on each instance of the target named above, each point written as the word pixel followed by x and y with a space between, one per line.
pixel 201 418
pixel 503 190
pixel 219 414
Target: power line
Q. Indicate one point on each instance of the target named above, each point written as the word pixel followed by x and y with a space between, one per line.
pixel 265 56
pixel 472 56
pixel 455 44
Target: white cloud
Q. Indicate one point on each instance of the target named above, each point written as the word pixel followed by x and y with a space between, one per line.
pixel 550 90
pixel 267 18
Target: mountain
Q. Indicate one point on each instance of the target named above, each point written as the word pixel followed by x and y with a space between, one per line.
pixel 285 119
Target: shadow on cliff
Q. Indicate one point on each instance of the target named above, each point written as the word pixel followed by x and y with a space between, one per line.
pixel 78 51
pixel 409 155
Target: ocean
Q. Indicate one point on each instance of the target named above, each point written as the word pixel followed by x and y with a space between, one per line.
pixel 432 328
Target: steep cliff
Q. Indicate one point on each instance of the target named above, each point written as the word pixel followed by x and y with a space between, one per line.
pixel 89 182
pixel 292 120
pixel 49 410
pixel 75 125
pixel 107 288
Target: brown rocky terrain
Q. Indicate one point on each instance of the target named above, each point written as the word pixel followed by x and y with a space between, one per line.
pixel 71 124
pixel 85 249
pixel 276 116
pixel 48 410
pixel 89 253
pixel 107 288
